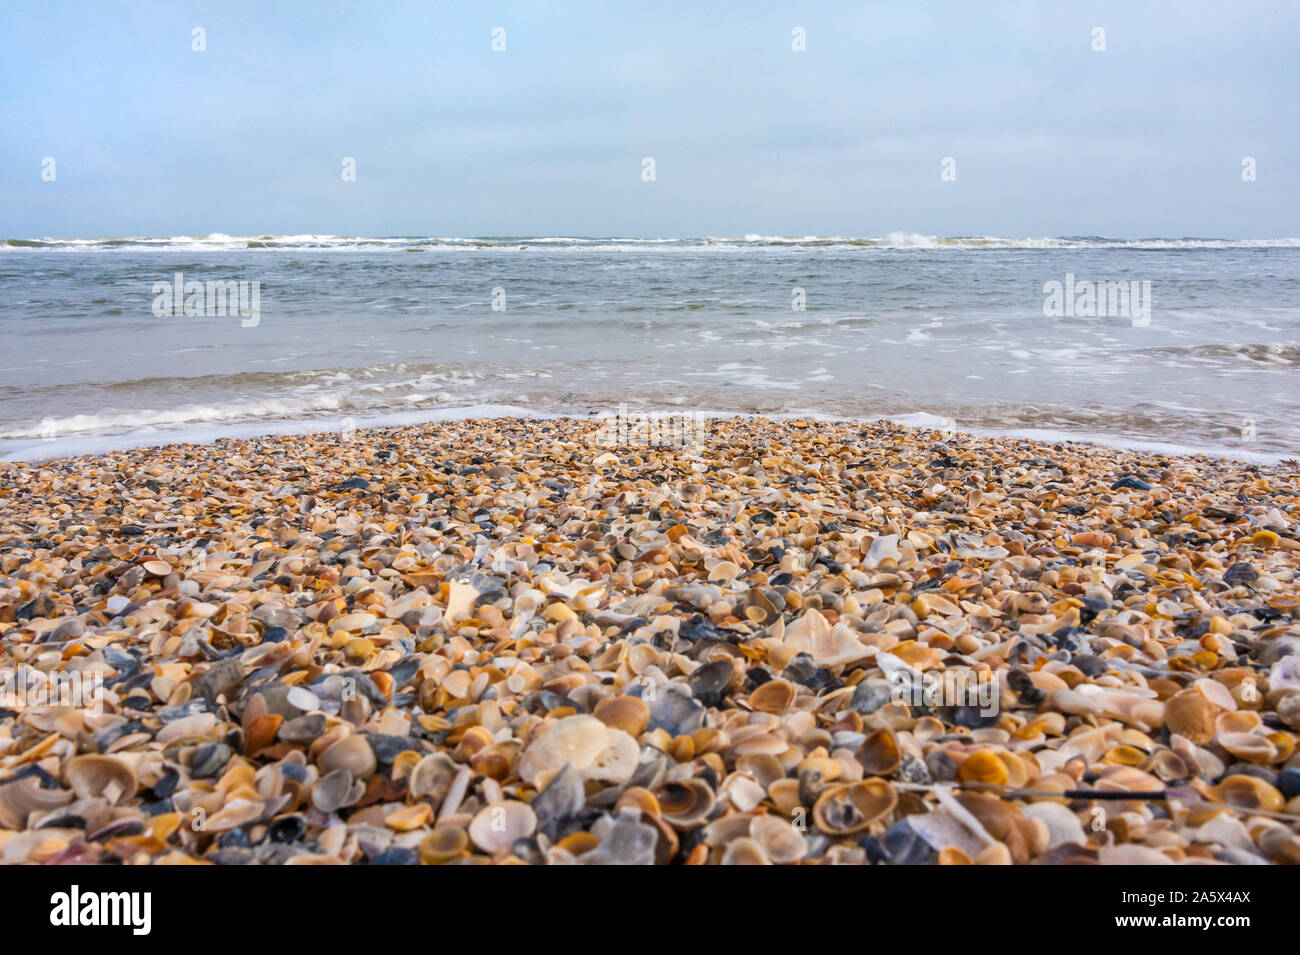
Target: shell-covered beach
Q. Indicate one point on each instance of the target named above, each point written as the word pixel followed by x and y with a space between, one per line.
pixel 500 641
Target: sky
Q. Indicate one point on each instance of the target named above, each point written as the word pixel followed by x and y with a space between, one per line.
pixel 748 135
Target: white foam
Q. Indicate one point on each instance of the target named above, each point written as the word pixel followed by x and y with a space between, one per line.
pixel 99 444
pixel 219 241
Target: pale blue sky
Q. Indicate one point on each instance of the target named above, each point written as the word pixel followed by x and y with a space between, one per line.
pixel 749 136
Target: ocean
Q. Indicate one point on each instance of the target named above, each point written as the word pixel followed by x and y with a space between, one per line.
pixel 1183 345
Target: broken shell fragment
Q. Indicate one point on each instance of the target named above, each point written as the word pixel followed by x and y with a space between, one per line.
pixel 600 753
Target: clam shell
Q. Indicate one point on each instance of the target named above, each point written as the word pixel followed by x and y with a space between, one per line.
pixel 1250 747
pixel 443 844
pixel 100 777
pixel 784 794
pixel 783 843
pixel 745 851
pixel 335 791
pixel 1167 765
pixel 498 827
pixel 852 807
pixel 352 753
pixel 879 753
pixel 1247 792
pixel 983 766
pixel 774 696
pixel 626 713
pixel 685 805
pixel 432 776
pixel 21 798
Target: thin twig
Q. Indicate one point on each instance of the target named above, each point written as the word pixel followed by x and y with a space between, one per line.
pixel 1158 795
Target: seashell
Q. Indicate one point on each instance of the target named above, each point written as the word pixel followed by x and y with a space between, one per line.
pixel 303 699
pixel 21 798
pixel 783 843
pixel 1247 792
pixel 1076 702
pixel 725 571
pixel 883 549
pixel 1285 744
pixel 759 609
pixel 261 733
pixel 774 696
pixel 1124 756
pixel 722 830
pixel 335 791
pixel 624 840
pixel 304 729
pixel 745 851
pixel 579 843
pixel 600 753
pixel 879 753
pixel 1063 826
pixel 1240 721
pixel 100 777
pixel 762 767
pixel 1216 693
pixel 410 817
pixel 639 798
pixel 1200 761
pixel 784 794
pixel 1248 746
pixel 1167 765
pixel 498 827
pixel 1285 673
pixel 711 680
pixel 983 766
pixel 443 844
pixel 742 791
pixel 236 813
pixel 828 647
pixel 1190 713
pixel 352 753
pixel 852 807
pixel 685 805
pixel 1128 779
pixel 626 713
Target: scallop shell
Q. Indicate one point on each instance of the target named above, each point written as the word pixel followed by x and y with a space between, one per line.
pixel 1190 713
